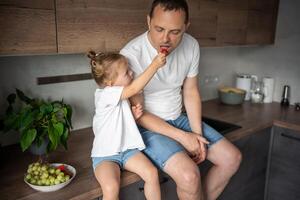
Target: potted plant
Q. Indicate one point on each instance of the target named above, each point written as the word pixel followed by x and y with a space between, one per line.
pixel 38 121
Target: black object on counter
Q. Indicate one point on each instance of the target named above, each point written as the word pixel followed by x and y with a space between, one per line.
pixel 285 96
pixel 297 106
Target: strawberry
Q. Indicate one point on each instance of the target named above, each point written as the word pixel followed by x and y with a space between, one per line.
pixel 61 167
pixel 164 50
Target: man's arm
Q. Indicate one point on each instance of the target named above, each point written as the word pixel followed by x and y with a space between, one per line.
pixel 190 141
pixel 192 103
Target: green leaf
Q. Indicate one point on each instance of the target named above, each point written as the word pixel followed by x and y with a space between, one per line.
pixel 46 108
pixel 53 137
pixel 56 106
pixel 27 120
pixel 23 97
pixel 11 122
pixel 59 127
pixel 11 98
pixel 27 138
pixel 64 138
pixel 69 115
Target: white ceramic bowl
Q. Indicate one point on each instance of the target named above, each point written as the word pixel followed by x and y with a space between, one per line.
pixel 52 188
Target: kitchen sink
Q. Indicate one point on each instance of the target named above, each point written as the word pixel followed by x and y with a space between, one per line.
pixel 220 126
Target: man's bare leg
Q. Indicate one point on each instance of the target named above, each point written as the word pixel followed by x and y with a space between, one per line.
pixel 226 159
pixel 186 174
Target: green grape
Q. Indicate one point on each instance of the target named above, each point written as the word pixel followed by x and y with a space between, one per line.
pixel 51 170
pixel 43 181
pixel 47 182
pixel 59 177
pixel 67 177
pixel 39 182
pixel 57 171
pixel 44 167
pixel 32 181
pixel 28 176
pixel 56 182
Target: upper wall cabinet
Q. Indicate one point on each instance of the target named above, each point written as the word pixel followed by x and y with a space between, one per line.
pixel 233 22
pixel 99 24
pixel 75 26
pixel 27 27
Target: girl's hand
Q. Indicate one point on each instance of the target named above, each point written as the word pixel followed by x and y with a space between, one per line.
pixel 137 111
pixel 159 60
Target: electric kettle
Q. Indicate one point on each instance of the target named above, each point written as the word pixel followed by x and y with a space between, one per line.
pixel 244 81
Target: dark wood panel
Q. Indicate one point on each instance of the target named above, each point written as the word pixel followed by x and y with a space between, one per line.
pixel 27 27
pixel 249 181
pixel 232 27
pixel 63 78
pixel 283 177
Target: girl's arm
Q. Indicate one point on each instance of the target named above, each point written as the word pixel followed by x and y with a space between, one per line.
pixel 141 81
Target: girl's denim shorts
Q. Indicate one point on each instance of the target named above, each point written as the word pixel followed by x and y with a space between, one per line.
pixel 120 158
pixel 160 148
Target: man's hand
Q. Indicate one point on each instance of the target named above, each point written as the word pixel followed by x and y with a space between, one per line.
pixel 137 111
pixel 200 157
pixel 195 144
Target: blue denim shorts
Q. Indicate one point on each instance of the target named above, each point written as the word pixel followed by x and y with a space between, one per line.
pixel 160 148
pixel 120 158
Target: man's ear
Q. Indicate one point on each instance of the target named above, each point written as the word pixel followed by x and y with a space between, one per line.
pixel 187 26
pixel 148 21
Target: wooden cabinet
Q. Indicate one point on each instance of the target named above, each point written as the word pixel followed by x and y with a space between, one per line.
pixel 100 25
pixel 64 26
pixel 283 177
pixel 27 27
pixel 132 192
pixel 249 181
pixel 233 22
pixel 168 188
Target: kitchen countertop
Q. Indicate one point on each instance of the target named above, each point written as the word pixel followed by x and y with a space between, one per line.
pixel 251 117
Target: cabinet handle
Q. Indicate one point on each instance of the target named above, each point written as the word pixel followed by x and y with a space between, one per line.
pixel 290 137
pixel 162 181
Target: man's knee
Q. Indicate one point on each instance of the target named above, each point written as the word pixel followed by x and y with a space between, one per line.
pixel 234 160
pixel 191 179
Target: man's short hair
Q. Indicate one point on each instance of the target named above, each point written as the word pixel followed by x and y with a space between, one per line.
pixel 171 5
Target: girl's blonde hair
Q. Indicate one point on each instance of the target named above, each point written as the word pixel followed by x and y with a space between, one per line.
pixel 101 65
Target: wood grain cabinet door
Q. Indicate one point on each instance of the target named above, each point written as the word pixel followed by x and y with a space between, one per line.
pixel 283 178
pixel 249 181
pixel 97 24
pixel 27 27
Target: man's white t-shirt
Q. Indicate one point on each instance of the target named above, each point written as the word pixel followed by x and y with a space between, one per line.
pixel 162 95
pixel 114 126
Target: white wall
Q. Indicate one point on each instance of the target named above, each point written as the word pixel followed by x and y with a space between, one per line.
pixel 280 61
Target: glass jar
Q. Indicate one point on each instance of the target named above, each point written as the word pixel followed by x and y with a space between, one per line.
pixel 257 92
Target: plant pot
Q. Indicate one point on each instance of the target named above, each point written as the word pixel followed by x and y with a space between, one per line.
pixel 39 150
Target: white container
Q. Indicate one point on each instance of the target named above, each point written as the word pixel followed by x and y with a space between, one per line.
pixel 243 81
pixel 52 188
pixel 268 89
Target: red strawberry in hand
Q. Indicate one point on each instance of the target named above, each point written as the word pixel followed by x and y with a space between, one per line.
pixel 164 50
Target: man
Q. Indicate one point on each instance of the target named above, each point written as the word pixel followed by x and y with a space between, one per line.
pixel 176 142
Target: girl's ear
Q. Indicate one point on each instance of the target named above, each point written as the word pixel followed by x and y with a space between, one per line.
pixel 94 63
pixel 108 82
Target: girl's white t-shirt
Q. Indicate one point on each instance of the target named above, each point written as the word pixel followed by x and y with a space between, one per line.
pixel 114 126
pixel 162 95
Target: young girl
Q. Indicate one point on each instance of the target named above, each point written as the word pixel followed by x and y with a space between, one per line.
pixel 117 141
